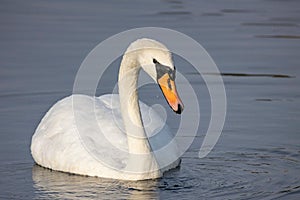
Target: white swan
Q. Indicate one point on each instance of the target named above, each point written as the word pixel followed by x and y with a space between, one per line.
pixel 105 136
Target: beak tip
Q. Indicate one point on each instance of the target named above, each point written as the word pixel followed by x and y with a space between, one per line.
pixel 179 109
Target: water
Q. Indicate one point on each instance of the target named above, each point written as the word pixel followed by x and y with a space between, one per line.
pixel 256 46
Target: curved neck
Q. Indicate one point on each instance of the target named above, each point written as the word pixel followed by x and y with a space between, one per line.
pixel 128 81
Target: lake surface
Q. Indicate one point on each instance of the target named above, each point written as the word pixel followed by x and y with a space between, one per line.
pixel 256 45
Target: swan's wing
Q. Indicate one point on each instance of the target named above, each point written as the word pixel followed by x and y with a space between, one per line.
pixel 154 125
pixel 161 139
pixel 79 129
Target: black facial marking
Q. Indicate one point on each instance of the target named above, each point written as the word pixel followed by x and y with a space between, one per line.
pixel 162 70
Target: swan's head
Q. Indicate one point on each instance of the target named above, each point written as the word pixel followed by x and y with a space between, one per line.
pixel 156 60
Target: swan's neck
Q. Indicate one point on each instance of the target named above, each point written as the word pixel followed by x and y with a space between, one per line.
pixel 141 160
pixel 128 81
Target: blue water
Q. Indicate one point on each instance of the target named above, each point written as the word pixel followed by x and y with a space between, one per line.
pixel 256 46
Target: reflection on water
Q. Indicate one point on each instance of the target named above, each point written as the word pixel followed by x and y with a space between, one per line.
pixel 279 36
pixel 268 24
pixel 57 185
pixel 174 13
pixel 246 75
pixel 247 173
pixel 230 10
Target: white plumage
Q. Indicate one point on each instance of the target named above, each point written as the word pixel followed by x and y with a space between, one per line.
pixel 90 138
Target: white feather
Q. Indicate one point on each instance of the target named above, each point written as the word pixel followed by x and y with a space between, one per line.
pixel 90 139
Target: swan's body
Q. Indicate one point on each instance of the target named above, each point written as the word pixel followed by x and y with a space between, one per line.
pixel 105 136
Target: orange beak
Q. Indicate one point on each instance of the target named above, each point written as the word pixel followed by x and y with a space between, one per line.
pixel 168 87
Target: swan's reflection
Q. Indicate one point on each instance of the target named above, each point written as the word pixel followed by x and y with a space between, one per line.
pixel 57 185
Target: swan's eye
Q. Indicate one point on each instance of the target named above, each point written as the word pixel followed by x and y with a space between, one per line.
pixel 155 61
